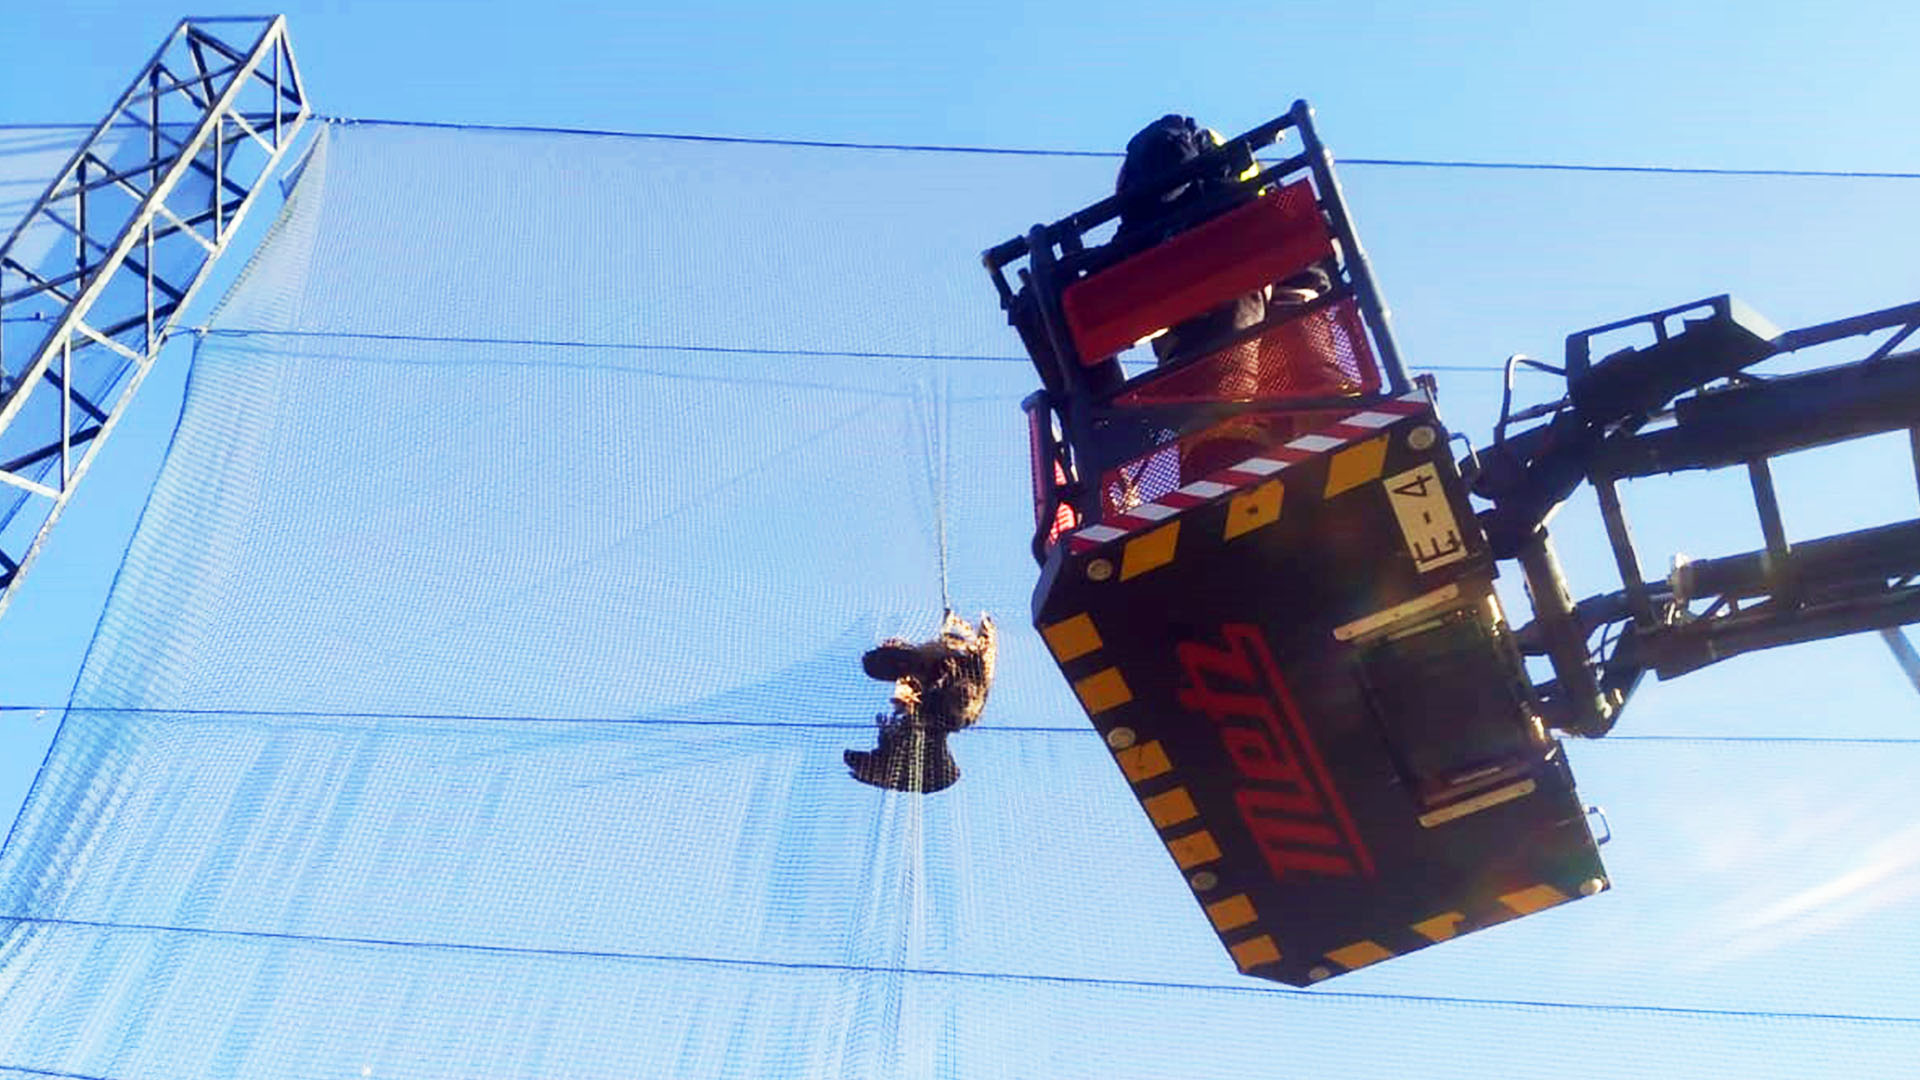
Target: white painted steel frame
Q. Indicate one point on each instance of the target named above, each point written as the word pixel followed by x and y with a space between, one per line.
pixel 214 80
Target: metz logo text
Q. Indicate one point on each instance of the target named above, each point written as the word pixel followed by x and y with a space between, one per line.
pixel 1284 795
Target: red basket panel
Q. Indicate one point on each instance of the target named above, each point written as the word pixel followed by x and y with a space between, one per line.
pixel 1047 476
pixel 1322 353
pixel 1271 238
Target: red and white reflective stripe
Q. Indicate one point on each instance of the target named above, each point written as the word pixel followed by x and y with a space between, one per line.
pixel 1347 429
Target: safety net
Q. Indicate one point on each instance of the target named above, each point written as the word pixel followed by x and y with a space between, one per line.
pixel 470 701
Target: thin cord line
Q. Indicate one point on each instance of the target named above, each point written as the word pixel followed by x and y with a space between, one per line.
pixel 830 725
pixel 50 1072
pixel 631 346
pixel 973 976
pixel 63 125
pixel 743 140
pixel 933 437
pixel 1655 170
pixel 1013 151
pixel 644 346
pixel 505 718
pixel 946 477
pixel 1784 740
pixel 1005 151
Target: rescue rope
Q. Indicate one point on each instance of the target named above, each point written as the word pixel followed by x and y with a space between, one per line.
pixel 934 441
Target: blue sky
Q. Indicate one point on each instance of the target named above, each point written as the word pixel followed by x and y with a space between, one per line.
pixel 1715 84
pixel 1475 264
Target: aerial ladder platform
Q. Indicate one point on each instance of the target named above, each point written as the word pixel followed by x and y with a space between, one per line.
pixel 1268 573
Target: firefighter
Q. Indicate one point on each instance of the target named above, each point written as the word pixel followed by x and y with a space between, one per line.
pixel 1243 370
pixel 1158 148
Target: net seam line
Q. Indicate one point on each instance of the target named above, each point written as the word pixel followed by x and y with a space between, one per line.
pixel 940 148
pixel 985 976
pixel 1010 151
pixel 641 346
pixel 566 343
pixel 93 639
pixel 828 725
pixel 53 1072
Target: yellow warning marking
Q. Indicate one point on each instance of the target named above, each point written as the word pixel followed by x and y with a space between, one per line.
pixel 1071 639
pixel 1486 799
pixel 1357 464
pixel 1440 927
pixel 1193 849
pixel 1534 898
pixel 1359 954
pixel 1253 952
pixel 1252 509
pixel 1231 913
pixel 1171 808
pixel 1103 690
pixel 1145 761
pixel 1398 613
pixel 1149 551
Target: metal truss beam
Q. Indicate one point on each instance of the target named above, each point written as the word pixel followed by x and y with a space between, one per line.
pixel 94 276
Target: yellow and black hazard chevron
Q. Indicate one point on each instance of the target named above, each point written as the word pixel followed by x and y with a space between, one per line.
pixel 1168 803
pixel 1447 925
pixel 1355 427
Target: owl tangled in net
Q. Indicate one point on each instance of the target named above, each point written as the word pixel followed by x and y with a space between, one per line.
pixel 939 687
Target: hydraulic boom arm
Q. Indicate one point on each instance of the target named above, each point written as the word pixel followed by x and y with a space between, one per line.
pixel 1620 419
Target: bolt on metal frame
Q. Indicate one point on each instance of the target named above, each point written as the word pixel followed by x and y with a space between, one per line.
pixel 94 277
